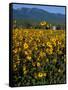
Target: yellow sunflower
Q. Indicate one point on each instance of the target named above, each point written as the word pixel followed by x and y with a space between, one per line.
pixel 42 54
pixel 40 74
pixel 29 57
pixel 44 74
pixel 26 46
pixel 38 64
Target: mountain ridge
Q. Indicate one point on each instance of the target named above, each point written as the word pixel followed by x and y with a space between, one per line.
pixel 38 15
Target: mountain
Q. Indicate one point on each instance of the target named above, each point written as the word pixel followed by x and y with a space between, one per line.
pixel 35 15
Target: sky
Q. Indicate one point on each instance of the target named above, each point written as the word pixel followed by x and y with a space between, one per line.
pixel 51 9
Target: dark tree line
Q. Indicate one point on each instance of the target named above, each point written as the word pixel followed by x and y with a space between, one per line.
pixel 29 25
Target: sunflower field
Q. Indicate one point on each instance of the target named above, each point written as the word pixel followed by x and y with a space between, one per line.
pixel 38 57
